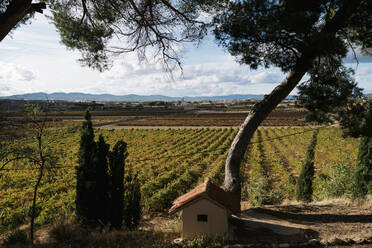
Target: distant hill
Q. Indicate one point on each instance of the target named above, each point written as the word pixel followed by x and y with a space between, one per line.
pixel 76 96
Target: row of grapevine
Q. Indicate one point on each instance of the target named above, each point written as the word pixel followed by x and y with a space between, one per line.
pixel 170 162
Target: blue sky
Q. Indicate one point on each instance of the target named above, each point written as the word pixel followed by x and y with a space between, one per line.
pixel 33 60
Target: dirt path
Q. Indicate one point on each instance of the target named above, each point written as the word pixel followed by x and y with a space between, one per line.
pixel 323 223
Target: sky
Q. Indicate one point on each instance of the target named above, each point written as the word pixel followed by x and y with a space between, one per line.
pixel 32 59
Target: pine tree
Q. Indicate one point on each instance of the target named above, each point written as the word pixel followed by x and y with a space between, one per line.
pixel 117 164
pixel 132 202
pixel 304 187
pixel 85 172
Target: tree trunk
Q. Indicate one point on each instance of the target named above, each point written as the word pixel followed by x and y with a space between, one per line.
pixel 263 109
pixel 33 210
pixel 15 12
pixel 251 123
pixel 36 187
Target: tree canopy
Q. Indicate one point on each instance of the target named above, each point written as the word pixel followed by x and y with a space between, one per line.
pixel 277 33
pixel 330 88
pixel 100 29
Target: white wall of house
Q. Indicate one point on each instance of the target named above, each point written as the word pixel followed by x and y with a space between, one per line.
pixel 216 224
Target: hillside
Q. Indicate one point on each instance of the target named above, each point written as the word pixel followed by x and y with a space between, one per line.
pixel 76 96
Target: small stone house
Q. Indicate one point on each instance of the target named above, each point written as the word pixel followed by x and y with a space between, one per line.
pixel 205 210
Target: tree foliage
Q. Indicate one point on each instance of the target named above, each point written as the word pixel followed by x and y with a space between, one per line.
pixel 363 173
pixel 329 89
pixel 86 176
pixel 277 33
pixel 356 118
pixel 117 164
pixel 357 122
pixel 100 29
pixel 304 186
pixel 100 179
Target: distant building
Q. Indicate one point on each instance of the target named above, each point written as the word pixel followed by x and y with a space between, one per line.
pixel 205 210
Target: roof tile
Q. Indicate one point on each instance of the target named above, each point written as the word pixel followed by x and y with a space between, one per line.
pixel 207 190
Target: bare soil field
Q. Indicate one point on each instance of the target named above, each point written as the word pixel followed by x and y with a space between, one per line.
pixel 221 119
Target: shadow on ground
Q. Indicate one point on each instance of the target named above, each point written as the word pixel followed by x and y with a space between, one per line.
pixel 315 218
pixel 301 223
pixel 256 226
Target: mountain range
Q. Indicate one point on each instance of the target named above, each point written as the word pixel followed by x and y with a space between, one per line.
pixel 76 96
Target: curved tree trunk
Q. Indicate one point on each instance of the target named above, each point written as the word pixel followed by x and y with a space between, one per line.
pixel 15 12
pixel 261 110
pixel 251 123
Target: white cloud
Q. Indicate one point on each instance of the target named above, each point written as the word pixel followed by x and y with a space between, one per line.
pixel 215 78
pixel 267 77
pixel 12 72
pixel 15 78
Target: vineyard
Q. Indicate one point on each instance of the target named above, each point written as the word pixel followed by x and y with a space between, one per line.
pixel 276 118
pixel 170 162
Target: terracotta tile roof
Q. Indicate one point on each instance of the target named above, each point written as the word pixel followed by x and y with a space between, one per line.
pixel 209 191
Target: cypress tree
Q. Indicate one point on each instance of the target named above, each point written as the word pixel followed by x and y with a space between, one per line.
pixel 132 202
pixel 85 172
pixel 304 187
pixel 117 164
pixel 102 181
pixel 363 172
